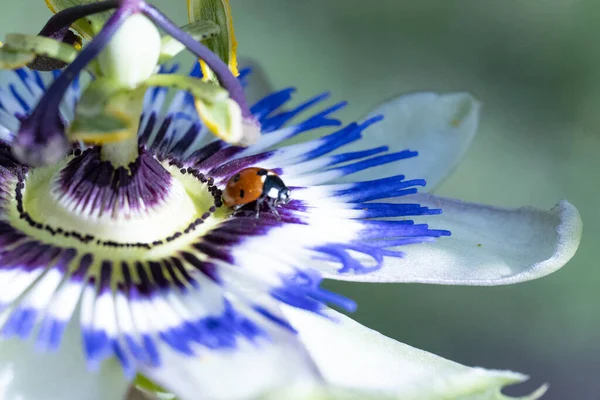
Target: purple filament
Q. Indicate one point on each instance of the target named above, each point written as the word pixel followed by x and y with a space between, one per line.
pixel 221 70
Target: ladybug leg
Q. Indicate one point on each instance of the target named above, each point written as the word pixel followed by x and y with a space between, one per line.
pixel 273 208
pixel 235 209
pixel 258 204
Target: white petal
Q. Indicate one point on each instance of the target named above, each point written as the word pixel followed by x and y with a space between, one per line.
pixel 241 373
pixel 351 355
pixel 28 374
pixel 439 126
pixel 489 245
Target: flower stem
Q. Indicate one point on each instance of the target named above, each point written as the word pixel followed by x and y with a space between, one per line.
pixel 121 153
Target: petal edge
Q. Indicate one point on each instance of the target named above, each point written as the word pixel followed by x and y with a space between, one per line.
pixel 350 355
pixel 489 246
pixel 440 126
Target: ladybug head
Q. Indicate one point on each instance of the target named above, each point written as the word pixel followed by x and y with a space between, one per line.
pixel 284 196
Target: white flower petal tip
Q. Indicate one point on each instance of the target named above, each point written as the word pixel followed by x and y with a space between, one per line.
pixel 541 391
pixel 28 374
pixel 360 360
pixel 489 246
pixel 440 127
pixel 337 393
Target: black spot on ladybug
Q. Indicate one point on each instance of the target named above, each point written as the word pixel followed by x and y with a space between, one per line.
pixel 262 172
pixel 242 193
pixel 236 178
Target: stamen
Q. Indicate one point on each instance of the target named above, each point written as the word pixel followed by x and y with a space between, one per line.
pixel 41 139
pixel 221 70
pixel 58 28
pixel 43 63
pixel 60 22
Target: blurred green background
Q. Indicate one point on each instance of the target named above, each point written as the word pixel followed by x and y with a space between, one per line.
pixel 535 64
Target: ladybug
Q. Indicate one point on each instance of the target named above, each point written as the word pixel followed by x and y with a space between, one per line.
pixel 256 184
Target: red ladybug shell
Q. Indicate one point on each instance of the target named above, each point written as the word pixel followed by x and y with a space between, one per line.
pixel 245 187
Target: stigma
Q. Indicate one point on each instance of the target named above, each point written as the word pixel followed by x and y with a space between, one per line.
pixel 132 54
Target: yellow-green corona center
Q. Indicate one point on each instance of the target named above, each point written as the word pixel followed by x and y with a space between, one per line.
pixel 147 210
pixel 45 201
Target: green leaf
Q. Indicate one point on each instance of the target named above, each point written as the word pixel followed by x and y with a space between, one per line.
pixel 224 45
pixel 200 30
pixel 10 59
pixel 41 46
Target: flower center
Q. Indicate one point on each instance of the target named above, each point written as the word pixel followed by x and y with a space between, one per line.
pixel 148 204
